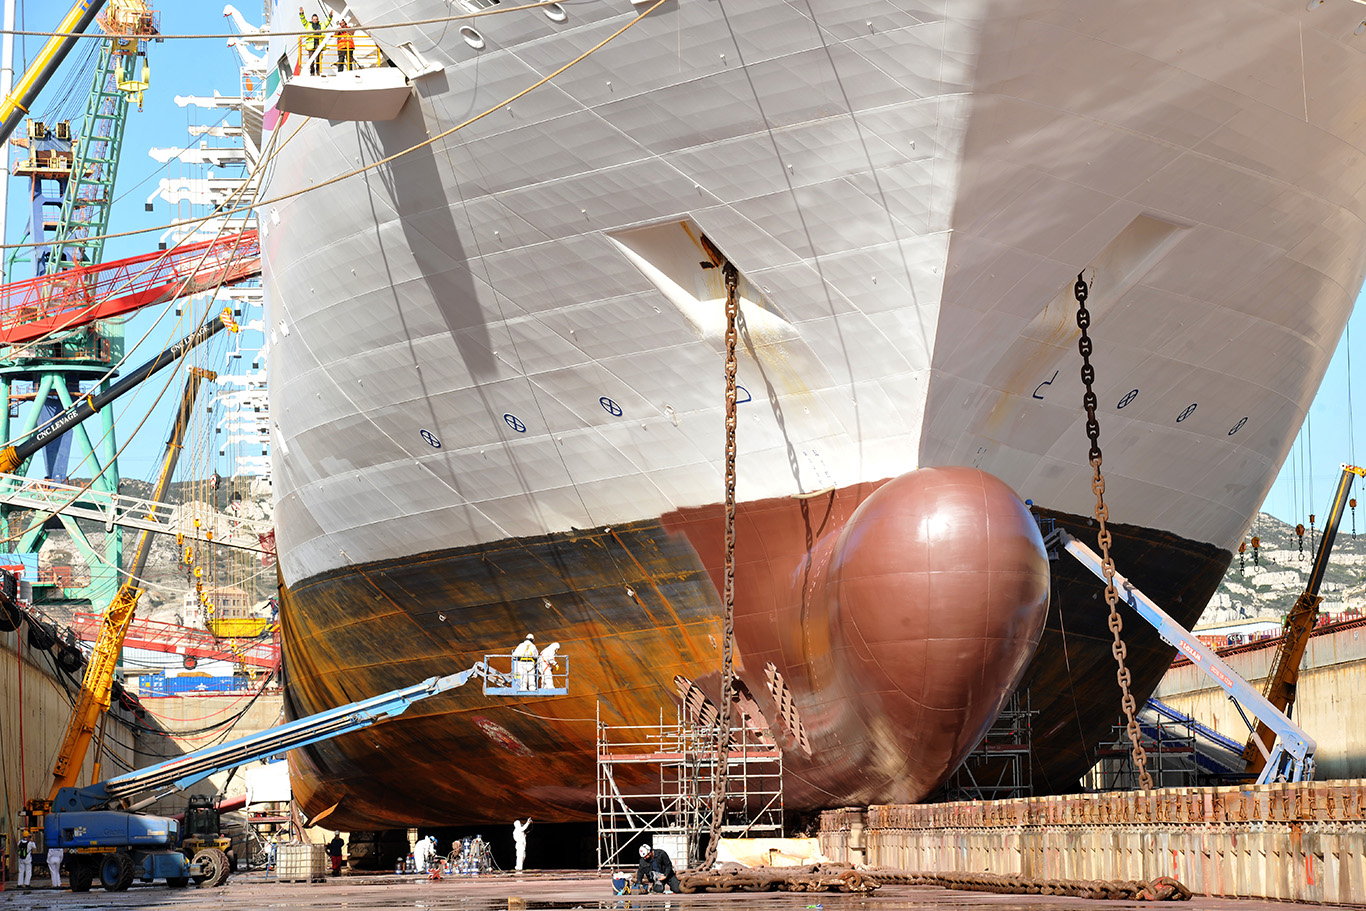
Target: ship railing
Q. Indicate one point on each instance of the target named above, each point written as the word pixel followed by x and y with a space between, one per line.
pixel 509 676
pixel 367 54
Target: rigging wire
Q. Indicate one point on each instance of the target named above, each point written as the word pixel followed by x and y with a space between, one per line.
pixel 1351 434
pixel 266 159
pixel 283 197
pixel 379 26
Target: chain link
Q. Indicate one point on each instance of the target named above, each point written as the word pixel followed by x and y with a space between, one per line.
pixel 1102 514
pixel 719 776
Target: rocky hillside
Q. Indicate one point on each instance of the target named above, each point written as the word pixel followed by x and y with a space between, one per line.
pixel 167 576
pixel 1267 585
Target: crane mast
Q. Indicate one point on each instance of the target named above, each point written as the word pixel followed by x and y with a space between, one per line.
pixel 1284 678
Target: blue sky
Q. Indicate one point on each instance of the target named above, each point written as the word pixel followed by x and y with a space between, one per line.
pixel 198 67
pixel 1311 471
pixel 188 67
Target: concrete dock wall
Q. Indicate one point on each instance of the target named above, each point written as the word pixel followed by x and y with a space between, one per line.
pixel 1304 842
pixel 1331 696
pixel 42 715
pixel 184 719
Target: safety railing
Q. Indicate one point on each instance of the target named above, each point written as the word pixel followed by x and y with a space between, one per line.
pixel 515 675
pixel 327 60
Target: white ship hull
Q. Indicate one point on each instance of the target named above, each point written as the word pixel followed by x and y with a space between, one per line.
pixel 506 334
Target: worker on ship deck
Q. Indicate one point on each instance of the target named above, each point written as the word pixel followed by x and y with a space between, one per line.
pixel 346 47
pixel 524 663
pixel 313 42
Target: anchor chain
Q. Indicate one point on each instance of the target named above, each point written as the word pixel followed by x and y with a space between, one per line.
pixel 719 776
pixel 1102 513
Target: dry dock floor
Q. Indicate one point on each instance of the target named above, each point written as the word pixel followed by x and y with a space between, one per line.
pixel 561 891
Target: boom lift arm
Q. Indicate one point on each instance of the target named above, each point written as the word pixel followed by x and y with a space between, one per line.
pixel 1299 623
pixel 100 824
pixel 1291 758
pixel 184 771
pixel 11 457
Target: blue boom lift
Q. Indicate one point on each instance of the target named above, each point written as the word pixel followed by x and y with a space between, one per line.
pixel 105 837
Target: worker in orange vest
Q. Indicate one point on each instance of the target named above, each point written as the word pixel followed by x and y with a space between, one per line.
pixel 346 47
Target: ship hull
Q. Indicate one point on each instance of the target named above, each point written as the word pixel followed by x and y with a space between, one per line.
pixel 879 707
pixel 493 349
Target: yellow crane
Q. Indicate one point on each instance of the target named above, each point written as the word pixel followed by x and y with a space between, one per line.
pixel 1299 623
pixel 98 681
pixel 97 684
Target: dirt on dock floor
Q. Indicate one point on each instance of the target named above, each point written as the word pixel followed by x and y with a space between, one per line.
pixel 561 891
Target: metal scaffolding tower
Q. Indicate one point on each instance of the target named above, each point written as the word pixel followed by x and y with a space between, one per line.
pixel 1000 767
pixel 654 782
pixel 1170 746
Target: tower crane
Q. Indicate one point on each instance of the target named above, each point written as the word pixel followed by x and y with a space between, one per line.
pixel 71 182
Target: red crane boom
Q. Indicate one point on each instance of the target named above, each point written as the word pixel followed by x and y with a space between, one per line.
pixel 34 307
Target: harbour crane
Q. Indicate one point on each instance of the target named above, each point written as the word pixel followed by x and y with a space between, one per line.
pixel 1281 683
pixel 97 684
pixel 71 171
pixel 49 59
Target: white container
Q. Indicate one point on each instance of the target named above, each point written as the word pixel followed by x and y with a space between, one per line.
pixel 301 863
pixel 676 846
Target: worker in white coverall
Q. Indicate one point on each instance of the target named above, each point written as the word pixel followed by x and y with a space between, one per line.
pixel 421 851
pixel 54 865
pixel 519 837
pixel 27 848
pixel 524 663
pixel 546 664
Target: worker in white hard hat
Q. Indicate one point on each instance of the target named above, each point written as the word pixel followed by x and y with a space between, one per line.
pixel 546 665
pixel 656 870
pixel 524 663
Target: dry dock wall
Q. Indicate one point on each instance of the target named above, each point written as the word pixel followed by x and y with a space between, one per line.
pixel 1294 842
pixel 34 703
pixel 1330 703
pixel 193 722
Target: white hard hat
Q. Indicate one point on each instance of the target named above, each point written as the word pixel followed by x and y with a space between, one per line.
pixel 645 849
pixel 530 636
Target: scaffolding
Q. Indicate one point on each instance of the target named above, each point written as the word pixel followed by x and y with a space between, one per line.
pixel 1172 760
pixel 1000 767
pixel 654 783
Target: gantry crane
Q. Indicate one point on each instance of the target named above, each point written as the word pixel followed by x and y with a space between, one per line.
pixel 71 181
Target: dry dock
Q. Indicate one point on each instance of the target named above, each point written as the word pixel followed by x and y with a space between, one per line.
pixel 252 892
pixel 1292 842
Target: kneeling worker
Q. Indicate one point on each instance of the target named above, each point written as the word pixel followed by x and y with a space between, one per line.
pixel 656 871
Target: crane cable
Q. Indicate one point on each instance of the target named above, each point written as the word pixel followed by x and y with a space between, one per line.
pixel 1102 513
pixel 292 194
pixel 719 777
